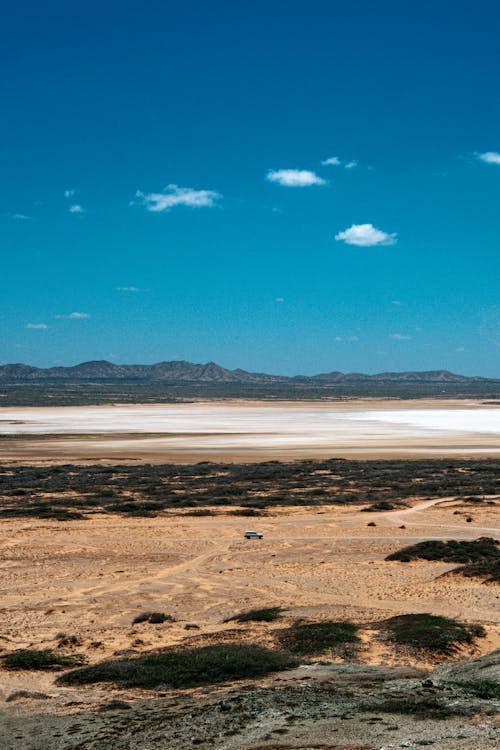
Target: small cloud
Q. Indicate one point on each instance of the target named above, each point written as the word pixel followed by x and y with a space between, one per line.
pixel 332 161
pixel 74 316
pixel 36 326
pixel 396 302
pixel 366 235
pixel 294 177
pixel 173 195
pixel 460 349
pixel 130 289
pixel 20 217
pixel 400 337
pixel 346 338
pixel 76 209
pixel 279 299
pixel 70 193
pixel 490 157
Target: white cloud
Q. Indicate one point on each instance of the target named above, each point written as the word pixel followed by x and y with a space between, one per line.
pixel 21 217
pixel 74 316
pixel 280 299
pixel 366 235
pixel 70 193
pixel 332 161
pixel 76 209
pixel 400 337
pixel 130 289
pixel 37 326
pixel 346 338
pixel 173 195
pixel 396 302
pixel 490 157
pixel 294 177
pixel 460 349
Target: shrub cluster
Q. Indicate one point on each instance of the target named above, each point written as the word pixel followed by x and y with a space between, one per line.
pixel 44 659
pixel 184 669
pixel 313 638
pixel 442 635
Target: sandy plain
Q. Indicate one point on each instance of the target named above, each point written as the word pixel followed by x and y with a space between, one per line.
pixel 88 579
pixel 249 431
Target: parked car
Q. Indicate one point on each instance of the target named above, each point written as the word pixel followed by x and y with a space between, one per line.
pixel 253 535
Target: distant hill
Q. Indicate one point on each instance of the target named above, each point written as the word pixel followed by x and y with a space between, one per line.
pixel 187 372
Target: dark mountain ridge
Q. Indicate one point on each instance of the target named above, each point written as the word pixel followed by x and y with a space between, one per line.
pixel 188 372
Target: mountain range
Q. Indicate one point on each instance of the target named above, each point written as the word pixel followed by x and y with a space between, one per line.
pixel 188 372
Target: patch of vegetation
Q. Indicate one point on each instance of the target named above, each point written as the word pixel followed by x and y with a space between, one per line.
pixel 488 570
pixel 72 492
pixel 421 708
pixel 183 669
pixel 316 637
pixel 479 558
pixel 452 551
pixel 267 614
pixel 381 505
pixel 479 688
pixel 44 659
pixel 155 618
pixel 442 635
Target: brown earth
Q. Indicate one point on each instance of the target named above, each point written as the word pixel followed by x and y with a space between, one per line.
pixel 91 578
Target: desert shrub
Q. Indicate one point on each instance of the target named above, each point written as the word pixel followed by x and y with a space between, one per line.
pixel 480 688
pixel 489 570
pixel 422 708
pixel 381 505
pixel 315 637
pixel 182 669
pixel 267 614
pixel 44 659
pixel 479 558
pixel 431 632
pixel 155 618
pixel 451 551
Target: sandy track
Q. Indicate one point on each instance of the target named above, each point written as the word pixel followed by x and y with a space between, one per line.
pixel 93 577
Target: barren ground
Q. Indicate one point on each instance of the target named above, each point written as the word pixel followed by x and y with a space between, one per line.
pixel 90 578
pixel 249 431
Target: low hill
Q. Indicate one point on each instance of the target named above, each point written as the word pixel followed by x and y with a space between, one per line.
pixel 188 372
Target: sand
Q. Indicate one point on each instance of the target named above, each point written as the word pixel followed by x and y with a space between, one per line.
pixel 249 431
pixel 91 578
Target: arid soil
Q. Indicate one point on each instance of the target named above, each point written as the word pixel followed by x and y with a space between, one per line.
pixel 89 579
pixel 249 431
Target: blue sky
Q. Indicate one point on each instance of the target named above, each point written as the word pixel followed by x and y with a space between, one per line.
pixel 165 195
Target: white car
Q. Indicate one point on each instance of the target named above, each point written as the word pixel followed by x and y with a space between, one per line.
pixel 253 535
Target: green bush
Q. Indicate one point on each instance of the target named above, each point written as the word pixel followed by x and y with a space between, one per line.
pixel 480 688
pixel 315 637
pixel 453 551
pixel 431 632
pixel 267 614
pixel 183 669
pixel 44 659
pixel 479 558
